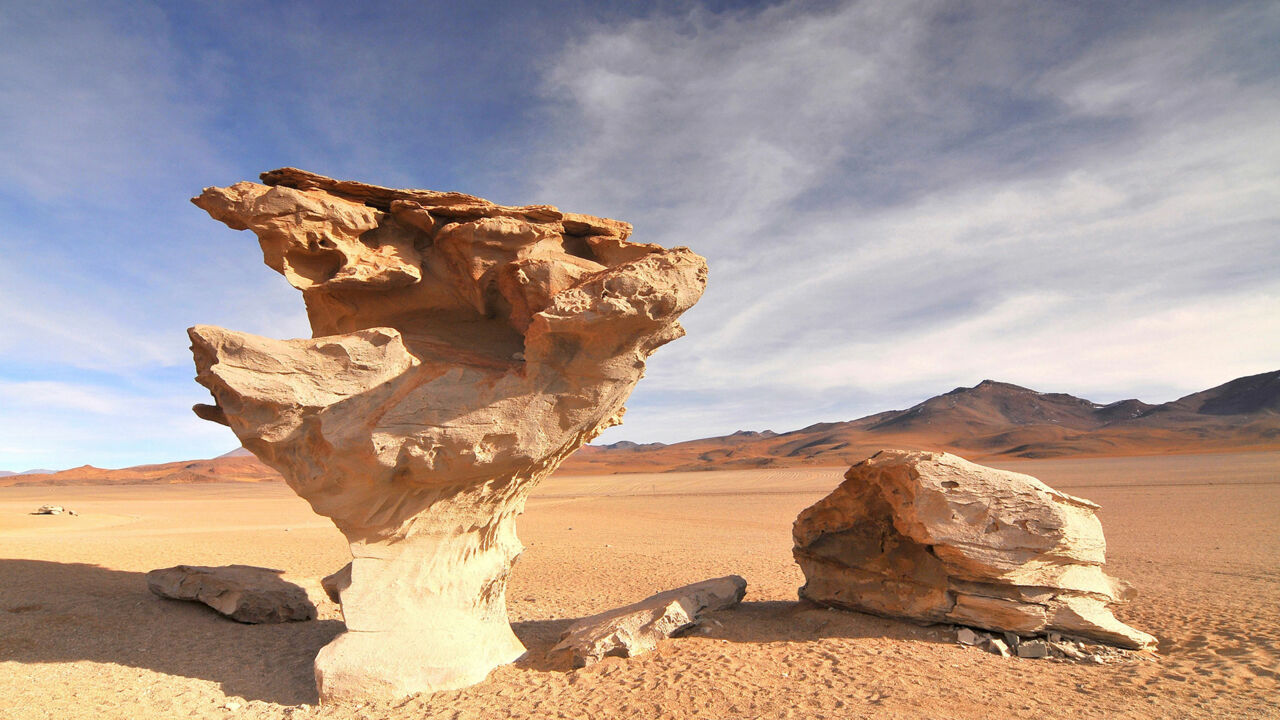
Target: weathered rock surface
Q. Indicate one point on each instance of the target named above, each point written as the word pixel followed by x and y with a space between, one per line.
pixel 932 537
pixel 966 636
pixel 461 351
pixel 637 628
pixel 1033 649
pixel 52 510
pixel 241 592
pixel 334 584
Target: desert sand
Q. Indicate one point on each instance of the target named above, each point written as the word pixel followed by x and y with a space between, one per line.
pixel 80 635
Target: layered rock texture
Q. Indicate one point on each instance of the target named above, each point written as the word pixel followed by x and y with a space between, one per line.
pixel 935 538
pixel 461 351
pixel 241 592
pixel 637 628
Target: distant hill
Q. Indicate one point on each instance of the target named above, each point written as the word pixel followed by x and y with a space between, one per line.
pixel 7 473
pixel 227 468
pixel 1252 395
pixel 990 419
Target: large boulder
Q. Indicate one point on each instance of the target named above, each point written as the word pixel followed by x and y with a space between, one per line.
pixel 461 350
pixel 637 628
pixel 241 592
pixel 931 537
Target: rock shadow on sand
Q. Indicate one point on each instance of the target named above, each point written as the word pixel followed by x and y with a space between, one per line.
pixel 65 612
pixel 539 636
pixel 751 622
pixel 784 621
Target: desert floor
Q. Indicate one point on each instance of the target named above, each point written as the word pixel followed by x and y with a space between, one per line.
pixel 80 635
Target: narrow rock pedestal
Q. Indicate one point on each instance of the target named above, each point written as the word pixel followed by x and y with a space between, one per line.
pixel 411 625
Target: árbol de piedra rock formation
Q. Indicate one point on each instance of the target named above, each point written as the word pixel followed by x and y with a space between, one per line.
pixel 461 350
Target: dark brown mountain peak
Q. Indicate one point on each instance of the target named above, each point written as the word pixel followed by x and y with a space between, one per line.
pixel 752 434
pixel 989 404
pixel 629 445
pixel 997 385
pixel 1242 396
pixel 1122 410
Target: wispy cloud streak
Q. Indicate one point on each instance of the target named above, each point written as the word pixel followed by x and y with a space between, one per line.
pixel 897 198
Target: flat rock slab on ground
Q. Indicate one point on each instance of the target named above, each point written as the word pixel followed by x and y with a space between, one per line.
pixel 634 629
pixel 244 593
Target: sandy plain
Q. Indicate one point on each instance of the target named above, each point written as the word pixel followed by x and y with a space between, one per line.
pixel 81 637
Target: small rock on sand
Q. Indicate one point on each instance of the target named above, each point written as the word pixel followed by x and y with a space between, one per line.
pixel 241 592
pixel 1033 649
pixel 634 629
pixel 996 646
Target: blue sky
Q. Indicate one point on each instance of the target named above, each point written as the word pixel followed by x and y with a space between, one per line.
pixel 896 198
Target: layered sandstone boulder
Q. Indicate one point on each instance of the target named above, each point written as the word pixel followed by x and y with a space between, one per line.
pixel 461 351
pixel 932 537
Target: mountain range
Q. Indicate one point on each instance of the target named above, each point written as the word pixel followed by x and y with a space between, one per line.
pixel 239 465
pixel 990 419
pixel 987 420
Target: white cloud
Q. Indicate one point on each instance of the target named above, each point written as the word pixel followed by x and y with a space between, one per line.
pixel 1026 338
pixel 49 395
pixel 70 330
pixel 61 424
pixel 131 319
pixel 893 203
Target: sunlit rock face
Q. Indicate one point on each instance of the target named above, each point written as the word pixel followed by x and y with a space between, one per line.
pixel 461 350
pixel 932 537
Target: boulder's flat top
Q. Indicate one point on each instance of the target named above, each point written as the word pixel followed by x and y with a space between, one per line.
pixel 81 637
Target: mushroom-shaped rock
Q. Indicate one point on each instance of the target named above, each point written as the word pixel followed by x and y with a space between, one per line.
pixel 461 350
pixel 931 537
